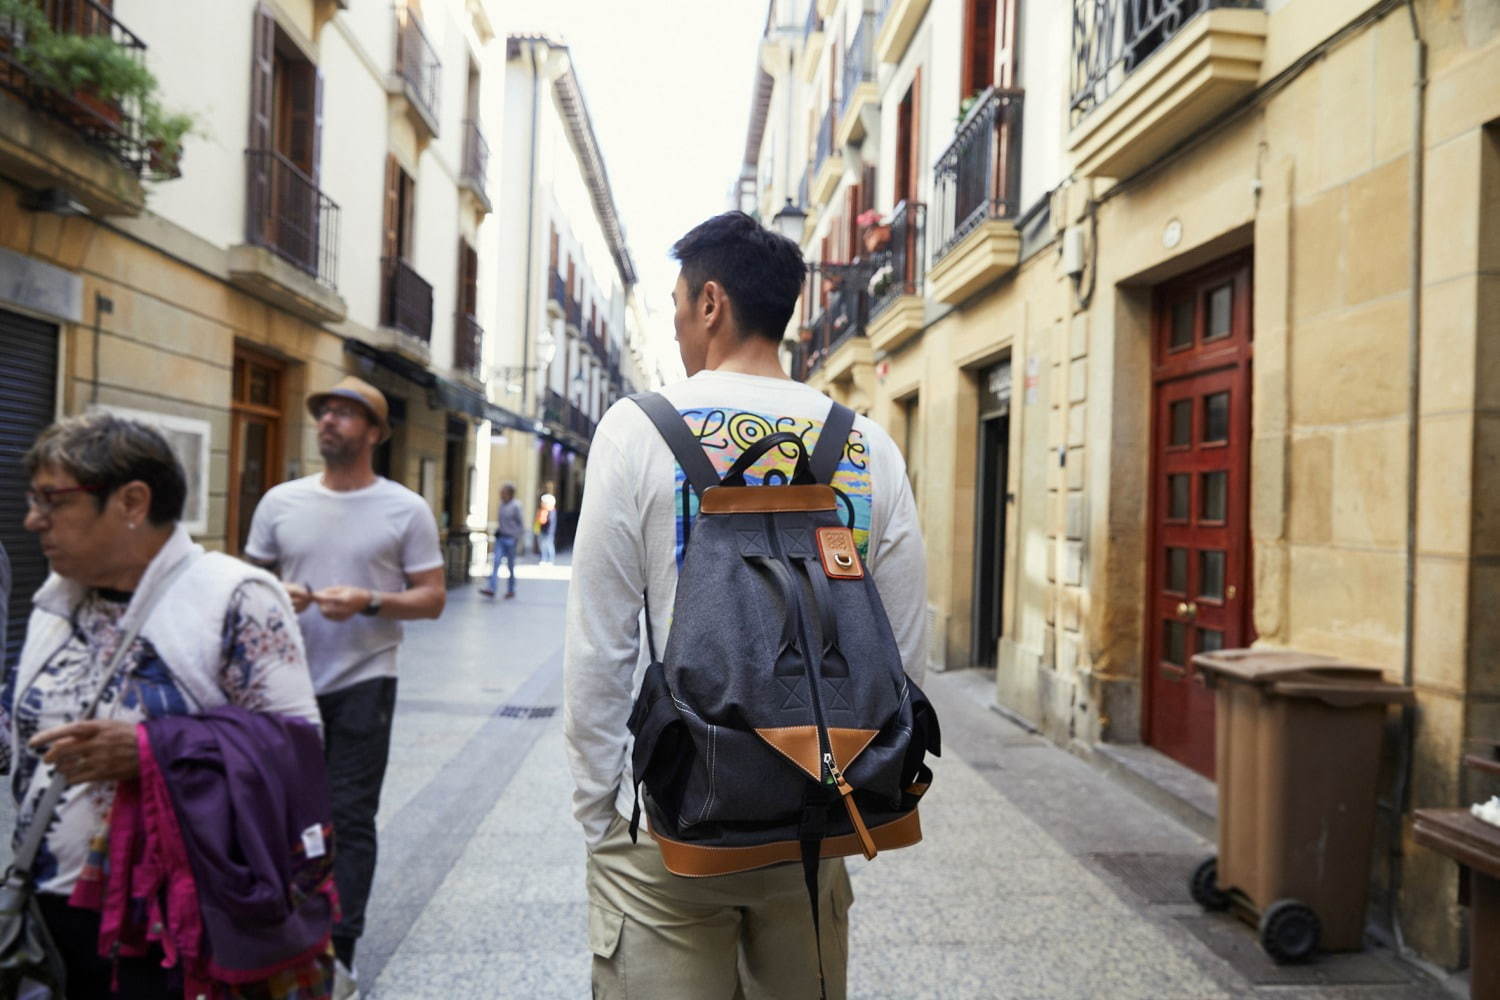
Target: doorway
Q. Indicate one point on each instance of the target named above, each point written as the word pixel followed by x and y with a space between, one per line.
pixel 256 412
pixel 993 494
pixel 1199 579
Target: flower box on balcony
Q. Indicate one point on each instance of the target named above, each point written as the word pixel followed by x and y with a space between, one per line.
pixel 1128 116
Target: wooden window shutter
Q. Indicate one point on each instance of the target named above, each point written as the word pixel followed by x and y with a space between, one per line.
pixel 302 85
pixel 262 78
pixel 914 184
pixel 979 46
pixel 867 188
pixel 389 245
pixel 1005 44
pixel 408 215
pixel 317 127
pixel 552 259
pixel 468 279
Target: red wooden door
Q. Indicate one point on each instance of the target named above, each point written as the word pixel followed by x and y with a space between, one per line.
pixel 1199 597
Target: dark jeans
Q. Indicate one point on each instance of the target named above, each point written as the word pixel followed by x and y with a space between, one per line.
pixel 76 933
pixel 356 744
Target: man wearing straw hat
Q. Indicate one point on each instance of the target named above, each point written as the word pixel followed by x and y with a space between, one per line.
pixel 358 554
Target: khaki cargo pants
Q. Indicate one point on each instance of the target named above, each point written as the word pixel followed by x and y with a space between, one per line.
pixel 659 936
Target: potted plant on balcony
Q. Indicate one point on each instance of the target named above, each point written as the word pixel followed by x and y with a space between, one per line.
pixel 875 233
pixel 881 280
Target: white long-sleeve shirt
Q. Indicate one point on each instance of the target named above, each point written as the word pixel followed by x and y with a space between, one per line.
pixel 630 538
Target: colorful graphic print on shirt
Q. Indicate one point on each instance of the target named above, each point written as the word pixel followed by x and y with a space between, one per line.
pixel 724 434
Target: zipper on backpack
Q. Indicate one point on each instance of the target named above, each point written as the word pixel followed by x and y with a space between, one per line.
pixel 824 743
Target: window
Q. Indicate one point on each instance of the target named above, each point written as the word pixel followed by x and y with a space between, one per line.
pixel 400 209
pixel 978 66
pixel 908 166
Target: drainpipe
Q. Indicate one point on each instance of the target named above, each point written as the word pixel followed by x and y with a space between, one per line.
pixel 536 92
pixel 1407 744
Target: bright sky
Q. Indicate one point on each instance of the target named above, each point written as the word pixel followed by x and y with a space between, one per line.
pixel 668 86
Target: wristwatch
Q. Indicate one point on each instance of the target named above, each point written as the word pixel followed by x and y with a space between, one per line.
pixel 373 608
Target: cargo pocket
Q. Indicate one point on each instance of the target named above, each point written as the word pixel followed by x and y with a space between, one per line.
pixel 605 926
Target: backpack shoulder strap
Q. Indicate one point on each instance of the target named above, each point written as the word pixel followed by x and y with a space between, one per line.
pixel 831 440
pixel 679 437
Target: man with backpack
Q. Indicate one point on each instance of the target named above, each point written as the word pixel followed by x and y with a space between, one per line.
pixel 776 622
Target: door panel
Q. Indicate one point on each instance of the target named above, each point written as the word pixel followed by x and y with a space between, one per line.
pixel 1199 596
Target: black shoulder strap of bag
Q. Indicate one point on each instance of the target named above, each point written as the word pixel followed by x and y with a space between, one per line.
pixel 679 437
pixel 831 441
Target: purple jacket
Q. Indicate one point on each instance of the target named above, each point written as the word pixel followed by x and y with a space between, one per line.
pixel 251 797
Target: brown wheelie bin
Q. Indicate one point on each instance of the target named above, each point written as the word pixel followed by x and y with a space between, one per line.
pixel 1298 740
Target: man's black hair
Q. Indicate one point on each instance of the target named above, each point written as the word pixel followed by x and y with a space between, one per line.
pixel 761 271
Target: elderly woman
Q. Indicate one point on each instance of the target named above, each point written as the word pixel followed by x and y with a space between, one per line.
pixel 105 500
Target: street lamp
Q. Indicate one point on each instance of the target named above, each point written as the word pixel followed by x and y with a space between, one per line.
pixel 546 350
pixel 790 221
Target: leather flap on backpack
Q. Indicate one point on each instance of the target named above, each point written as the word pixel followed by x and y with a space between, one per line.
pixel 840 556
pixel 799 744
pixel 767 499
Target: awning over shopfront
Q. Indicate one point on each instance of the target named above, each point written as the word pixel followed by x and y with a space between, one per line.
pixel 444 393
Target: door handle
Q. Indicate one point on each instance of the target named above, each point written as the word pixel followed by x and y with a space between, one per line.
pixel 1187 609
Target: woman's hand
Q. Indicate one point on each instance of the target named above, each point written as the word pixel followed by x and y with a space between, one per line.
pixel 94 750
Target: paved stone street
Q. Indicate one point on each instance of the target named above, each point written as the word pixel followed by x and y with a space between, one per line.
pixel 1038 877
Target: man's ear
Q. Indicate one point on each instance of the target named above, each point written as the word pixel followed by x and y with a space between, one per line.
pixel 713 303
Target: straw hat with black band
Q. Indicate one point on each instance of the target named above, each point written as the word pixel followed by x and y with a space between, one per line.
pixel 362 392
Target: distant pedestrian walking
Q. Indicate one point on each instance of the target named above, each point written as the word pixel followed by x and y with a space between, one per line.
pixel 508 534
pixel 546 529
pixel 656 935
pixel 365 551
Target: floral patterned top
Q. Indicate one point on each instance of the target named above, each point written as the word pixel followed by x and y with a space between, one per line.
pixel 258 641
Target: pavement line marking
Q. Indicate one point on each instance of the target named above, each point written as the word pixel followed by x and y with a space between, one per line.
pixel 422 842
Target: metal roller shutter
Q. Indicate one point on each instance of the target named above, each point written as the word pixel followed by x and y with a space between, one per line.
pixel 28 385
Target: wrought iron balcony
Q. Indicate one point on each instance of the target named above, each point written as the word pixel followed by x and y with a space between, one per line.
pixel 1113 37
pixel 859 60
pixel 825 138
pixel 406 300
pixel 557 290
pixel 575 314
pixel 417 62
pixel 978 177
pixel 554 408
pixel 288 214
pixel 476 156
pixel 804 188
pixel 899 269
pixel 114 125
pixel 468 345
pixel 841 294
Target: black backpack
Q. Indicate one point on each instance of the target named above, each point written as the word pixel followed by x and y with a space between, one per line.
pixel 779 725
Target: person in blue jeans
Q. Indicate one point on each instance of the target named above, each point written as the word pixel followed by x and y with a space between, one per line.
pixel 508 534
pixel 546 529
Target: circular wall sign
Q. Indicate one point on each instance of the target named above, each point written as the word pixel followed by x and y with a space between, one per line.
pixel 1172 234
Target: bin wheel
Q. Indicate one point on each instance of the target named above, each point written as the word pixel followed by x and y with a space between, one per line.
pixel 1203 886
pixel 1289 931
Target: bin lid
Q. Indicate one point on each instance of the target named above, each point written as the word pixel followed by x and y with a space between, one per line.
pixel 1345 693
pixel 1266 666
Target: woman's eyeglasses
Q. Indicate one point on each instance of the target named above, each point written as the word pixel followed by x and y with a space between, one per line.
pixel 44 500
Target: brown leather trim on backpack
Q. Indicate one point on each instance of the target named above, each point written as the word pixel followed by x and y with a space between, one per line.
pixel 840 557
pixel 800 745
pixel 767 499
pixel 699 861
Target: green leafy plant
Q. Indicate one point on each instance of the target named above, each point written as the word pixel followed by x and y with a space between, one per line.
pixel 101 71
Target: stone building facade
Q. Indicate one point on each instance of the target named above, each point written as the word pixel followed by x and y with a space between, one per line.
pixel 1185 344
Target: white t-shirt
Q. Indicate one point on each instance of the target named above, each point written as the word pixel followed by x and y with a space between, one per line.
pixel 631 534
pixel 373 537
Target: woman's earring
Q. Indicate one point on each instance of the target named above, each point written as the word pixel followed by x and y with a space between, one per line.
pixel 134 524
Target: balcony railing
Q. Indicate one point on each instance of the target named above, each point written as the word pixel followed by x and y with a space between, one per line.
pixel 406 300
pixel 575 314
pixel 840 294
pixel 804 188
pixel 825 139
pixel 580 424
pixel 289 215
pixel 859 60
pixel 476 155
pixel 1113 37
pixel 557 289
pixel 113 126
pixel 554 408
pixel 417 61
pixel 899 269
pixel 468 340
pixel 814 21
pixel 978 177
